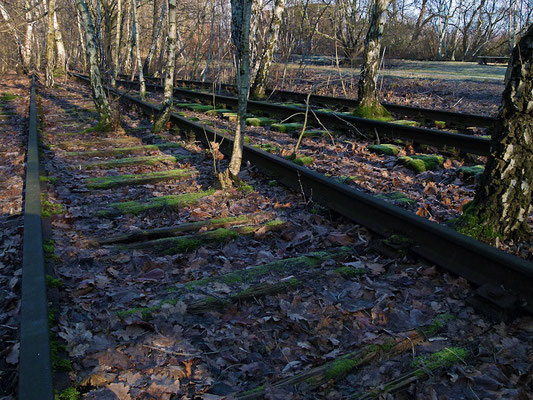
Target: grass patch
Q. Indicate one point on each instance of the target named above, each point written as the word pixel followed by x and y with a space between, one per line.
pixel 106 182
pixel 154 203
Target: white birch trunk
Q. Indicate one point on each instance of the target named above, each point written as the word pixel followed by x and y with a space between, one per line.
pixel 155 38
pixel 164 115
pixel 61 54
pixel 117 43
pixel 50 45
pixel 137 36
pixel 99 96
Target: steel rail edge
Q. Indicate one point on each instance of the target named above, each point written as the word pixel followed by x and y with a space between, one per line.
pixel 35 367
pixel 477 262
pixel 451 117
pixel 465 143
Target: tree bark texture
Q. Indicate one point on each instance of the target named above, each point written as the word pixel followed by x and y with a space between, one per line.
pixel 118 26
pixel 137 38
pixel 50 45
pixel 503 200
pixel 155 38
pixel 261 79
pixel 367 93
pixel 99 96
pixel 164 115
pixel 61 53
pixel 13 29
pixel 241 11
pixel 26 52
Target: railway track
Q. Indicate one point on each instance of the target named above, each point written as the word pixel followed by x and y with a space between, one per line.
pixel 171 289
pixel 340 121
pixel 450 119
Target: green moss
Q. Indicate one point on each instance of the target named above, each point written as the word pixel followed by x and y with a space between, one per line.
pixel 441 359
pixel 218 111
pixel 259 121
pixel 244 187
pixel 340 367
pixel 101 126
pixel 230 116
pixel 68 394
pixel 246 139
pixel 396 197
pixel 273 182
pixel 48 179
pixel 437 325
pixel 6 97
pixel 146 160
pixel 348 179
pixel 48 208
pixel 421 163
pixel 304 160
pixel 376 112
pixel 153 203
pixel 289 127
pixel 405 122
pixel 349 272
pixel 470 224
pixel 387 149
pixel 267 147
pixel 146 312
pixel 52 282
pixel 476 170
pixel 59 364
pixel 106 182
pixel 440 124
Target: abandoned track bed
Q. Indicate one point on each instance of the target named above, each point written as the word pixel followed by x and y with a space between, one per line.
pixel 167 288
pixel 170 289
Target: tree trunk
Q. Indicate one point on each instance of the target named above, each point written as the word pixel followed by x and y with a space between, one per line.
pixel 164 115
pixel 503 200
pixel 61 54
pixel 255 24
pixel 155 38
pixel 26 52
pixel 12 28
pixel 117 43
pixel 418 25
pixel 260 82
pixel 241 11
pixel 50 45
pixel 137 38
pixel 99 96
pixel 82 41
pixel 368 102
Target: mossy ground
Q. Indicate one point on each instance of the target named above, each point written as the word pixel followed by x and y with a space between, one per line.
pixel 422 162
pixel 52 282
pixel 218 111
pixel 106 182
pixel 387 149
pixel 136 207
pixel 69 393
pixel 288 127
pixel 48 179
pixel 6 97
pixel 48 208
pixel 304 160
pixel 267 147
pixel 441 359
pixel 476 170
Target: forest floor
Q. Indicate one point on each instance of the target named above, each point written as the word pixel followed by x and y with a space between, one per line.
pixel 14 95
pixel 284 287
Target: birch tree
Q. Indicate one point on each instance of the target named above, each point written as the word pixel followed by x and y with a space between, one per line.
pixel 164 115
pixel 26 52
pixel 241 11
pixel 118 26
pixel 60 46
pixel 99 96
pixel 50 45
pixel 260 82
pixel 368 101
pixel 155 38
pixel 13 30
pixel 136 34
pixel 502 202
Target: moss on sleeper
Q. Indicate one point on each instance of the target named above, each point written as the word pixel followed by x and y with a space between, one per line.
pixel 349 272
pixel 304 160
pixel 145 160
pixel 106 182
pixel 440 124
pixel 387 149
pixel 441 359
pixel 259 121
pixel 421 163
pixel 405 122
pixel 375 112
pixel 6 97
pixel 288 127
pixel 123 150
pixel 136 207
pixel 218 111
